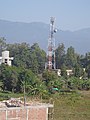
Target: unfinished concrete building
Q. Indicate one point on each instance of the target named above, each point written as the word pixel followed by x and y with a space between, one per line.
pixel 5 58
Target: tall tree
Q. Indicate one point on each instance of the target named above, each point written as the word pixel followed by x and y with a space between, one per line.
pixel 2 44
pixel 38 58
pixel 78 71
pixel 20 52
pixel 60 53
pixel 9 77
pixel 71 57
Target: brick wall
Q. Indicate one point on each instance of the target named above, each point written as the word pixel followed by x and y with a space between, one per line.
pixel 25 113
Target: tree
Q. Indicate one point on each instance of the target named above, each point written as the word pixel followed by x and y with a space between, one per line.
pixel 51 80
pixel 38 58
pixel 31 83
pixel 60 53
pixel 9 77
pixel 78 71
pixel 28 57
pixel 21 53
pixel 71 57
pixel 2 44
pixel 63 71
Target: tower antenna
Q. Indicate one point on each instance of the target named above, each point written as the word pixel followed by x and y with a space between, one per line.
pixel 51 46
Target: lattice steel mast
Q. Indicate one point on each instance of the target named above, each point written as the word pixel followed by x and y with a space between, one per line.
pixel 51 46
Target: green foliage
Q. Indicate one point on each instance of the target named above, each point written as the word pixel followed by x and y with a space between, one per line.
pixel 76 83
pixel 9 77
pixel 29 63
pixel 5 95
pixel 63 70
pixel 2 44
pixel 52 81
pixel 14 79
pixel 78 70
pixel 38 58
pixel 71 57
pixel 60 54
pixel 28 57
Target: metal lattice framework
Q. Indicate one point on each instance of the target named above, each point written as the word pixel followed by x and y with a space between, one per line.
pixel 51 46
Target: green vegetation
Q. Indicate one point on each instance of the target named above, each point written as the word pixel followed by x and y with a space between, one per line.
pixel 28 70
pixel 27 74
pixel 72 106
pixel 5 95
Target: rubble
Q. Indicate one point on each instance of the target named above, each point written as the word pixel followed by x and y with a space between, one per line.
pixel 17 102
pixel 13 102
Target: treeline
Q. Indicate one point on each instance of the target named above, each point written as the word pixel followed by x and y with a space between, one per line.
pixel 28 69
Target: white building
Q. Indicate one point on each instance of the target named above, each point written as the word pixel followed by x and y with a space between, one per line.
pixel 59 72
pixel 69 72
pixel 5 58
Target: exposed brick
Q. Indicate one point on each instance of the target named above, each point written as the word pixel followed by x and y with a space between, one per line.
pixel 25 113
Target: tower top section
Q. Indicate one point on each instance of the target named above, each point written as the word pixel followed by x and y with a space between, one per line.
pixel 52 20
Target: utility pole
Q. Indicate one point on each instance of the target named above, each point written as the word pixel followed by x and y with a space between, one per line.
pixel 24 93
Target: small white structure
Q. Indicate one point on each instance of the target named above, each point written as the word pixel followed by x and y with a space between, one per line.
pixel 59 72
pixel 5 58
pixel 69 72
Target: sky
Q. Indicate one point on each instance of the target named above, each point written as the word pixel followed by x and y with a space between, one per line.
pixel 70 14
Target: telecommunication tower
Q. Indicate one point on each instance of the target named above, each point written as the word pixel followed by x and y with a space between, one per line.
pixel 51 46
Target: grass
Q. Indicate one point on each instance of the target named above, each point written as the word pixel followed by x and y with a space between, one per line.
pixel 5 95
pixel 72 106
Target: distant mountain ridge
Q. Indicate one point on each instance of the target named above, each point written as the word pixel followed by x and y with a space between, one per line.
pixel 15 32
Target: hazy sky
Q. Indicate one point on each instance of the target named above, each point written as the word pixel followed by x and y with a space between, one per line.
pixel 70 14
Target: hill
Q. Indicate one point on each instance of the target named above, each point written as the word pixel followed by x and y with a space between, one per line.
pixel 39 32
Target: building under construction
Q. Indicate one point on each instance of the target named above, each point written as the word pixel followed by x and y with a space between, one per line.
pixel 15 110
